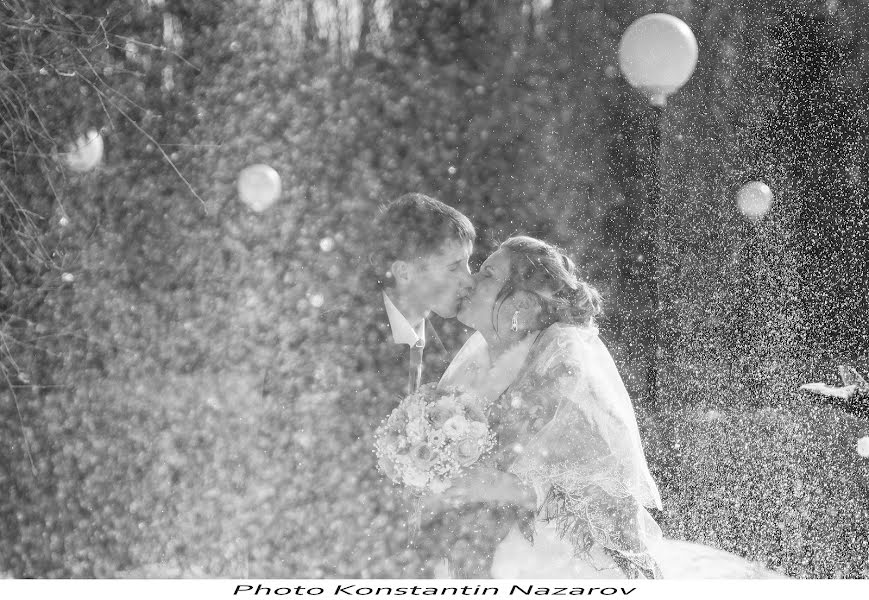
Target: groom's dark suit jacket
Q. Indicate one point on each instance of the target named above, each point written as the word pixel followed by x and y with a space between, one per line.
pixel 391 361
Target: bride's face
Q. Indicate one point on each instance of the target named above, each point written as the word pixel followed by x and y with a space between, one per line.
pixel 476 309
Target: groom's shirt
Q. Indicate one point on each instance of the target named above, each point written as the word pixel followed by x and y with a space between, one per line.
pixel 402 331
pixel 405 333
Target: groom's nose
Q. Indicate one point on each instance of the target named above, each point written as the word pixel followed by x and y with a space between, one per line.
pixel 468 281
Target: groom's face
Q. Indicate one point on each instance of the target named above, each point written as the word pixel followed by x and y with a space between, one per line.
pixel 441 280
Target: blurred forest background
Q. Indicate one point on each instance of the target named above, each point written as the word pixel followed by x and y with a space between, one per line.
pixel 186 385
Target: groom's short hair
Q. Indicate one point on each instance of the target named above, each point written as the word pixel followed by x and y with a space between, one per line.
pixel 415 225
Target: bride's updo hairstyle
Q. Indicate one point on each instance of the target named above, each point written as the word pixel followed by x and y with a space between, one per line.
pixel 541 269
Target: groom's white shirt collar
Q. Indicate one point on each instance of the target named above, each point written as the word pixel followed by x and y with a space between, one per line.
pixel 402 331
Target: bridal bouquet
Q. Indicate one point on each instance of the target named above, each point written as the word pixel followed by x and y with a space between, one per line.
pixel 431 436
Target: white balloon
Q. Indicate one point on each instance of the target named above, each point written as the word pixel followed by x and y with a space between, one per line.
pixel 754 200
pixel 259 187
pixel 863 447
pixel 86 153
pixel 657 54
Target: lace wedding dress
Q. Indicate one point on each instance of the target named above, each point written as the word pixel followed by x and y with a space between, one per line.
pixel 566 427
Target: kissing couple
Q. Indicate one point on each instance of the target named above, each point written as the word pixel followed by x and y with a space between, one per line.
pixel 564 492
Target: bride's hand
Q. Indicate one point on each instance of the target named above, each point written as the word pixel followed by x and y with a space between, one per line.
pixel 486 484
pixel 506 488
pixel 449 499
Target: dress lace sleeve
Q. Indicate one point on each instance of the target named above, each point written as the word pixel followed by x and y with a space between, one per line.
pixel 587 463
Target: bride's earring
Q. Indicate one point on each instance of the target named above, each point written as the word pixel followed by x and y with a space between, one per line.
pixel 514 324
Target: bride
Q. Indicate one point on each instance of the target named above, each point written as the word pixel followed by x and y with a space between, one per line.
pixel 568 447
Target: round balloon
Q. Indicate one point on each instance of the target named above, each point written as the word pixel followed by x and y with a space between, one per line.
pixel 86 153
pixel 754 200
pixel 259 187
pixel 863 447
pixel 657 54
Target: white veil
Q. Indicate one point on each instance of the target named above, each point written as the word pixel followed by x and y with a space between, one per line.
pixel 586 463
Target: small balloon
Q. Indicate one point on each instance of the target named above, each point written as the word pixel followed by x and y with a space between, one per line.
pixel 754 200
pixel 259 187
pixel 86 153
pixel 863 447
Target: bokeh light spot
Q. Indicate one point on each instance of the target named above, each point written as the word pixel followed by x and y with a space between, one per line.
pixel 316 300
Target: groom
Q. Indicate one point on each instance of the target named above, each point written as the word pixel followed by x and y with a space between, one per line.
pixel 420 265
pixel 420 261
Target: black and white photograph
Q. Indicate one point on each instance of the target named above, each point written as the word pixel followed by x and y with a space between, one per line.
pixel 444 290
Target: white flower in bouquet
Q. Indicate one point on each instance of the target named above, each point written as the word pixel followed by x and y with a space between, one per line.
pixel 468 451
pixel 438 415
pixel 456 427
pixel 398 419
pixel 436 437
pixel 475 415
pixel 477 430
pixel 415 432
pixel 423 456
pixel 448 404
